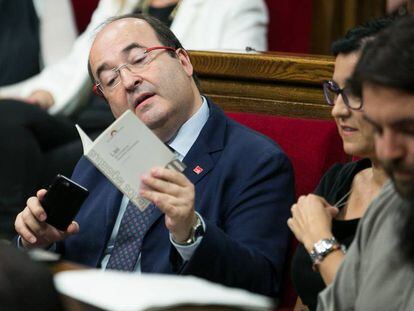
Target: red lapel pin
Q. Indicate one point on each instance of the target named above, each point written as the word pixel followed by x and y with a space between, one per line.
pixel 198 169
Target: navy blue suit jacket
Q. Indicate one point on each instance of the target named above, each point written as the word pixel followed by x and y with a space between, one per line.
pixel 244 194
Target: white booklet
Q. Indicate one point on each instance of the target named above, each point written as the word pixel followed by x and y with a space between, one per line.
pixel 126 150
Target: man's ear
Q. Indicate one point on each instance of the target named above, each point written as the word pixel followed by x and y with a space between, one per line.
pixel 185 61
pixel 97 91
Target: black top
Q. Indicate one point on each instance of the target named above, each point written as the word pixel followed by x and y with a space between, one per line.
pixel 19 41
pixel 162 14
pixel 334 185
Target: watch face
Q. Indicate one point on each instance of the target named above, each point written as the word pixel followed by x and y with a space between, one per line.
pixel 322 246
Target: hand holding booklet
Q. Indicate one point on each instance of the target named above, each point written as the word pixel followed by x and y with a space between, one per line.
pixel 126 150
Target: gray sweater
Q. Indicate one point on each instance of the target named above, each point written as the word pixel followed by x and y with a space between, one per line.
pixel 373 275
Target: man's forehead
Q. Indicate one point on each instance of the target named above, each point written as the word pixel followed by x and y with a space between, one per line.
pixel 386 105
pixel 115 38
pixel 344 66
pixel 132 29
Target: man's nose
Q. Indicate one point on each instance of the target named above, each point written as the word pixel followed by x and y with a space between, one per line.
pixel 129 79
pixel 389 146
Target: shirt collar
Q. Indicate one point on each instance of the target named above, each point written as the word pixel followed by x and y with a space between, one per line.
pixel 189 131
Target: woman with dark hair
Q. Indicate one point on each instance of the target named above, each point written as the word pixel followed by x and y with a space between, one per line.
pixel 378 270
pixel 325 222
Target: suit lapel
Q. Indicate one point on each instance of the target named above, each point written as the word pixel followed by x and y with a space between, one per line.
pixel 198 167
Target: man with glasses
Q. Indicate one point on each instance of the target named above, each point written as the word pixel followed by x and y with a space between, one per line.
pixel 224 219
pixel 378 270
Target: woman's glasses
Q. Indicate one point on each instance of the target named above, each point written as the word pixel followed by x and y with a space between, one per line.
pixel 331 91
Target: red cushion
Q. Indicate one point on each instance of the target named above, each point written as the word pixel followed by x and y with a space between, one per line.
pixel 290 25
pixel 312 146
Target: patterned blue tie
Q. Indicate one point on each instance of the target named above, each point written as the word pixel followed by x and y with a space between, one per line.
pixel 128 242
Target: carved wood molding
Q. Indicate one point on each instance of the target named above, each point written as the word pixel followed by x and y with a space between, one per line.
pixel 270 83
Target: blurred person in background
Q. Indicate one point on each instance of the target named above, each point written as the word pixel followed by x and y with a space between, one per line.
pixel 25 284
pixel 33 35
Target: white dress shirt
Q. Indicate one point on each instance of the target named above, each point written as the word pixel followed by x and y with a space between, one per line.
pixel 181 143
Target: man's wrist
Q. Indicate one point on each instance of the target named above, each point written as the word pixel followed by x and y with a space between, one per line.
pixel 196 231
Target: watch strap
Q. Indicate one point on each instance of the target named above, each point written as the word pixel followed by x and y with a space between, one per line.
pixel 323 248
pixel 196 231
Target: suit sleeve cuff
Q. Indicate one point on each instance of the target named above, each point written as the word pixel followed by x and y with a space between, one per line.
pixel 187 251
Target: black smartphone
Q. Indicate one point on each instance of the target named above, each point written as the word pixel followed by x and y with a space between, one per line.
pixel 63 201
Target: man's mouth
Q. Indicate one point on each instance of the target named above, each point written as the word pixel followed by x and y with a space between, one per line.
pixel 142 98
pixel 403 174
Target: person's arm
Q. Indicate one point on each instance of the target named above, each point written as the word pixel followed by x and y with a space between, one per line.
pixel 67 81
pixel 311 222
pixel 330 265
pixel 186 251
pixel 342 292
pixel 246 25
pixel 57 29
pixel 299 306
pixel 247 247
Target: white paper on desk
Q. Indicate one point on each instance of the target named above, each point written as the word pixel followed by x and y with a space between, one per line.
pixel 126 150
pixel 112 290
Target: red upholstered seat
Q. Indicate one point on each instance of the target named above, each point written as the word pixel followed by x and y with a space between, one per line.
pixel 312 146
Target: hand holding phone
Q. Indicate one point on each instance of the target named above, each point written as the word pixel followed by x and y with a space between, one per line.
pixel 63 201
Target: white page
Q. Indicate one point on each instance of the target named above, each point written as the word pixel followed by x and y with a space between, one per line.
pixel 126 150
pixel 113 290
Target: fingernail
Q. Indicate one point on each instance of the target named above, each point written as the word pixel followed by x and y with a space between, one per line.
pixel 42 217
pixel 32 240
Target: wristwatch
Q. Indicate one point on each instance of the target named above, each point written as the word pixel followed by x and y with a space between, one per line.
pixel 196 231
pixel 322 248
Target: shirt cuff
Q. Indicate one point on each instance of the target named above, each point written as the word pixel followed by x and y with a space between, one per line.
pixel 187 251
pixel 19 242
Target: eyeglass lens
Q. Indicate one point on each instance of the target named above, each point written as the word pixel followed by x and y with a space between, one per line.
pixel 331 91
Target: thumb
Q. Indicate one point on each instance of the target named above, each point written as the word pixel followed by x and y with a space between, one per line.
pixel 73 228
pixel 332 210
pixel 41 194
